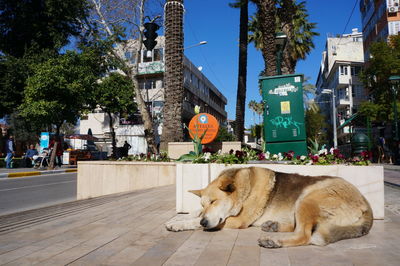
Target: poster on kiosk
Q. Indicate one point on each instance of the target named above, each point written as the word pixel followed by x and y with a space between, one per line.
pixel 44 140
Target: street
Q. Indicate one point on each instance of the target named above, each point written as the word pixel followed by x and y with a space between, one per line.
pixel 20 194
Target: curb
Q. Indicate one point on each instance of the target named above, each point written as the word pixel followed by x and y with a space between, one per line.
pixel 35 173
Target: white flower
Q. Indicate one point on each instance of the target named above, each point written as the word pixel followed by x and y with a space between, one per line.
pixel 331 150
pixel 303 157
pixel 267 155
pixel 323 151
pixel 207 156
pixel 197 109
pixel 275 156
pixel 219 152
pixel 280 157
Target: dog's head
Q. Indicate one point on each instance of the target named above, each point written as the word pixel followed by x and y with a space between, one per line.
pixel 224 197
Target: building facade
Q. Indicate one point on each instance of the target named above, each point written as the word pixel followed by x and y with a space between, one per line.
pixel 380 19
pixel 198 91
pixel 338 81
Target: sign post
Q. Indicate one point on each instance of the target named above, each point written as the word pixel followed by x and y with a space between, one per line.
pixel 201 123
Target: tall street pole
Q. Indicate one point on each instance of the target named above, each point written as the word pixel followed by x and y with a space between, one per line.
pixel 395 81
pixel 334 119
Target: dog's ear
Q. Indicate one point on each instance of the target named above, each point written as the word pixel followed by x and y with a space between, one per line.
pixel 196 192
pixel 227 185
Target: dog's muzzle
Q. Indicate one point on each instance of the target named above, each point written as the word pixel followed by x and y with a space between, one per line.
pixel 204 222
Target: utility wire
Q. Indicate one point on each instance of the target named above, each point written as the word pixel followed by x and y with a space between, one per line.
pixel 205 58
pixel 348 21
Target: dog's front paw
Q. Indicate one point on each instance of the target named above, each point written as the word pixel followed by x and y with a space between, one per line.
pixel 270 226
pixel 267 242
pixel 175 226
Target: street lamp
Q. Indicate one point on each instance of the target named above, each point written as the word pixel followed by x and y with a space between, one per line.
pixel 332 92
pixel 395 81
pixel 197 44
pixel 280 42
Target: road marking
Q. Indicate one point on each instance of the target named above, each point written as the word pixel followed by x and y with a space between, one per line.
pixel 48 184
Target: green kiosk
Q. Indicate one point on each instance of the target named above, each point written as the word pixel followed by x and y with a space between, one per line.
pixel 284 126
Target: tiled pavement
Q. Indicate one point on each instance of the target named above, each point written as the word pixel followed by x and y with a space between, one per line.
pixel 127 229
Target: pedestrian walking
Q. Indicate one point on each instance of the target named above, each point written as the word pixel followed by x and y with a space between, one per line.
pixel 10 151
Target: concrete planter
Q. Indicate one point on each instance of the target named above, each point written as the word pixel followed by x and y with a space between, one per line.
pixel 99 178
pixel 368 179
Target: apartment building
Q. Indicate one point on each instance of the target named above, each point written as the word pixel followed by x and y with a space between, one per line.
pixel 338 80
pixel 198 90
pixel 380 19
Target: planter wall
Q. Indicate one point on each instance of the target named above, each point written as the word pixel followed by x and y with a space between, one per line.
pixel 99 178
pixel 368 179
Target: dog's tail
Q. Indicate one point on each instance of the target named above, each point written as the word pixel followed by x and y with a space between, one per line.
pixel 360 228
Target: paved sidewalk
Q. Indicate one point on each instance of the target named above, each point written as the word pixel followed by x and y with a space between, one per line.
pixel 127 229
pixel 392 174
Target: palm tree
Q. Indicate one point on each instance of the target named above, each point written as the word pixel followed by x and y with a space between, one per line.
pixel 266 14
pixel 241 90
pixel 172 127
pixel 257 108
pixel 292 19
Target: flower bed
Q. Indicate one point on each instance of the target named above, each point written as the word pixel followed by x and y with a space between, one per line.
pixel 323 157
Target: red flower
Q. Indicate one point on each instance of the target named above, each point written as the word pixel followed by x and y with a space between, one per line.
pixel 261 156
pixel 314 158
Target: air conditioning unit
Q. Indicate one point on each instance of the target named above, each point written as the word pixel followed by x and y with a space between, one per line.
pixel 393 9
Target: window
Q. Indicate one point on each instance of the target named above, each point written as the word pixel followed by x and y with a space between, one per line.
pixel 147 56
pixel 355 70
pixel 147 84
pixel 343 70
pixel 158 54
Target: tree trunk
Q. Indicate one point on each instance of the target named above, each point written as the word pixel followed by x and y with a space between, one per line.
pixel 174 90
pixel 241 90
pixel 288 12
pixel 144 111
pixel 267 11
pixel 113 138
pixel 54 151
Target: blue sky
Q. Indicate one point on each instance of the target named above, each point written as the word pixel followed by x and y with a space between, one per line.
pixel 218 24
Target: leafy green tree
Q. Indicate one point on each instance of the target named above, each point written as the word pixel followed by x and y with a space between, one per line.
pixel 13 73
pixel 114 95
pixel 39 24
pixel 32 31
pixel 315 125
pixel 384 62
pixel 60 89
pixel 292 19
pixel 224 135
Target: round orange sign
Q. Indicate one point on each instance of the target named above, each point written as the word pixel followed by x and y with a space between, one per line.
pixel 202 122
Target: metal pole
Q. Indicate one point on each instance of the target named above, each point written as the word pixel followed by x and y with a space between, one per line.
pixel 396 126
pixel 334 119
pixel 279 61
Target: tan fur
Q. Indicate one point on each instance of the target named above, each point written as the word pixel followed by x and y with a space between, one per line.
pixel 294 210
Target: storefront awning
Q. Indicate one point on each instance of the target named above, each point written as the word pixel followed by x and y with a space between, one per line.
pixel 348 121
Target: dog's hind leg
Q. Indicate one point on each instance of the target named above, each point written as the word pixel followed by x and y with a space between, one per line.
pixel 307 213
pixel 273 226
